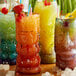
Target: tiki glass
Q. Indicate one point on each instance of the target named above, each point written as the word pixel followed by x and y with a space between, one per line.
pixel 7 34
pixel 47 26
pixel 65 43
pixel 27 36
pixel 7 39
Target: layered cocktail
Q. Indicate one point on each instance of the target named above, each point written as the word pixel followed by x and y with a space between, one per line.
pixel 65 43
pixel 27 36
pixel 7 38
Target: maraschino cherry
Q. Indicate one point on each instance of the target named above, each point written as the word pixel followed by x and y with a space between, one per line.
pixel 4 10
pixel 47 3
pixel 18 9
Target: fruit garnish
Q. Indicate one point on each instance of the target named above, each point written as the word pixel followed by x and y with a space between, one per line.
pixel 19 17
pixel 4 10
pixel 22 14
pixel 74 14
pixel 71 15
pixel 47 3
pixel 67 15
pixel 18 9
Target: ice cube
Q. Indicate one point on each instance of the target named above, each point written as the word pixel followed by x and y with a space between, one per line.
pixel 69 72
pixel 47 74
pixel 4 67
pixel 10 73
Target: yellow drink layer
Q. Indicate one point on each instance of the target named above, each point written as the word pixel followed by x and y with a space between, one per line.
pixel 47 26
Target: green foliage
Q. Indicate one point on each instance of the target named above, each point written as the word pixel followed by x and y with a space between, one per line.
pixel 32 2
pixel 67 6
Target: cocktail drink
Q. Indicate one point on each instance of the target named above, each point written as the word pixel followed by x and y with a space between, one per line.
pixel 27 36
pixel 47 25
pixel 7 3
pixel 65 43
pixel 27 31
pixel 7 33
pixel 32 2
pixel 7 38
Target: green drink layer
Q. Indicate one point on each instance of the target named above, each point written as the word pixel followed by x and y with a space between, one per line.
pixel 7 38
pixel 7 26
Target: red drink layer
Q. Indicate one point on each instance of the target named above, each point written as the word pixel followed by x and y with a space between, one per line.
pixel 65 43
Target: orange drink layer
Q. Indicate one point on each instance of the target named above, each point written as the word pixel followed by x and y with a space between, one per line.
pixel 27 36
pixel 27 30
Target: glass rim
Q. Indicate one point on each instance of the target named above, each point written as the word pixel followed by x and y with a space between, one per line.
pixel 8 13
pixel 33 14
pixel 65 19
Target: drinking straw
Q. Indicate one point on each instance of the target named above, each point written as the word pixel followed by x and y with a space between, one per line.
pixel 29 9
pixel 54 0
pixel 20 1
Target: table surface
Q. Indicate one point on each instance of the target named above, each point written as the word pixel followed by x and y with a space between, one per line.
pixel 44 68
